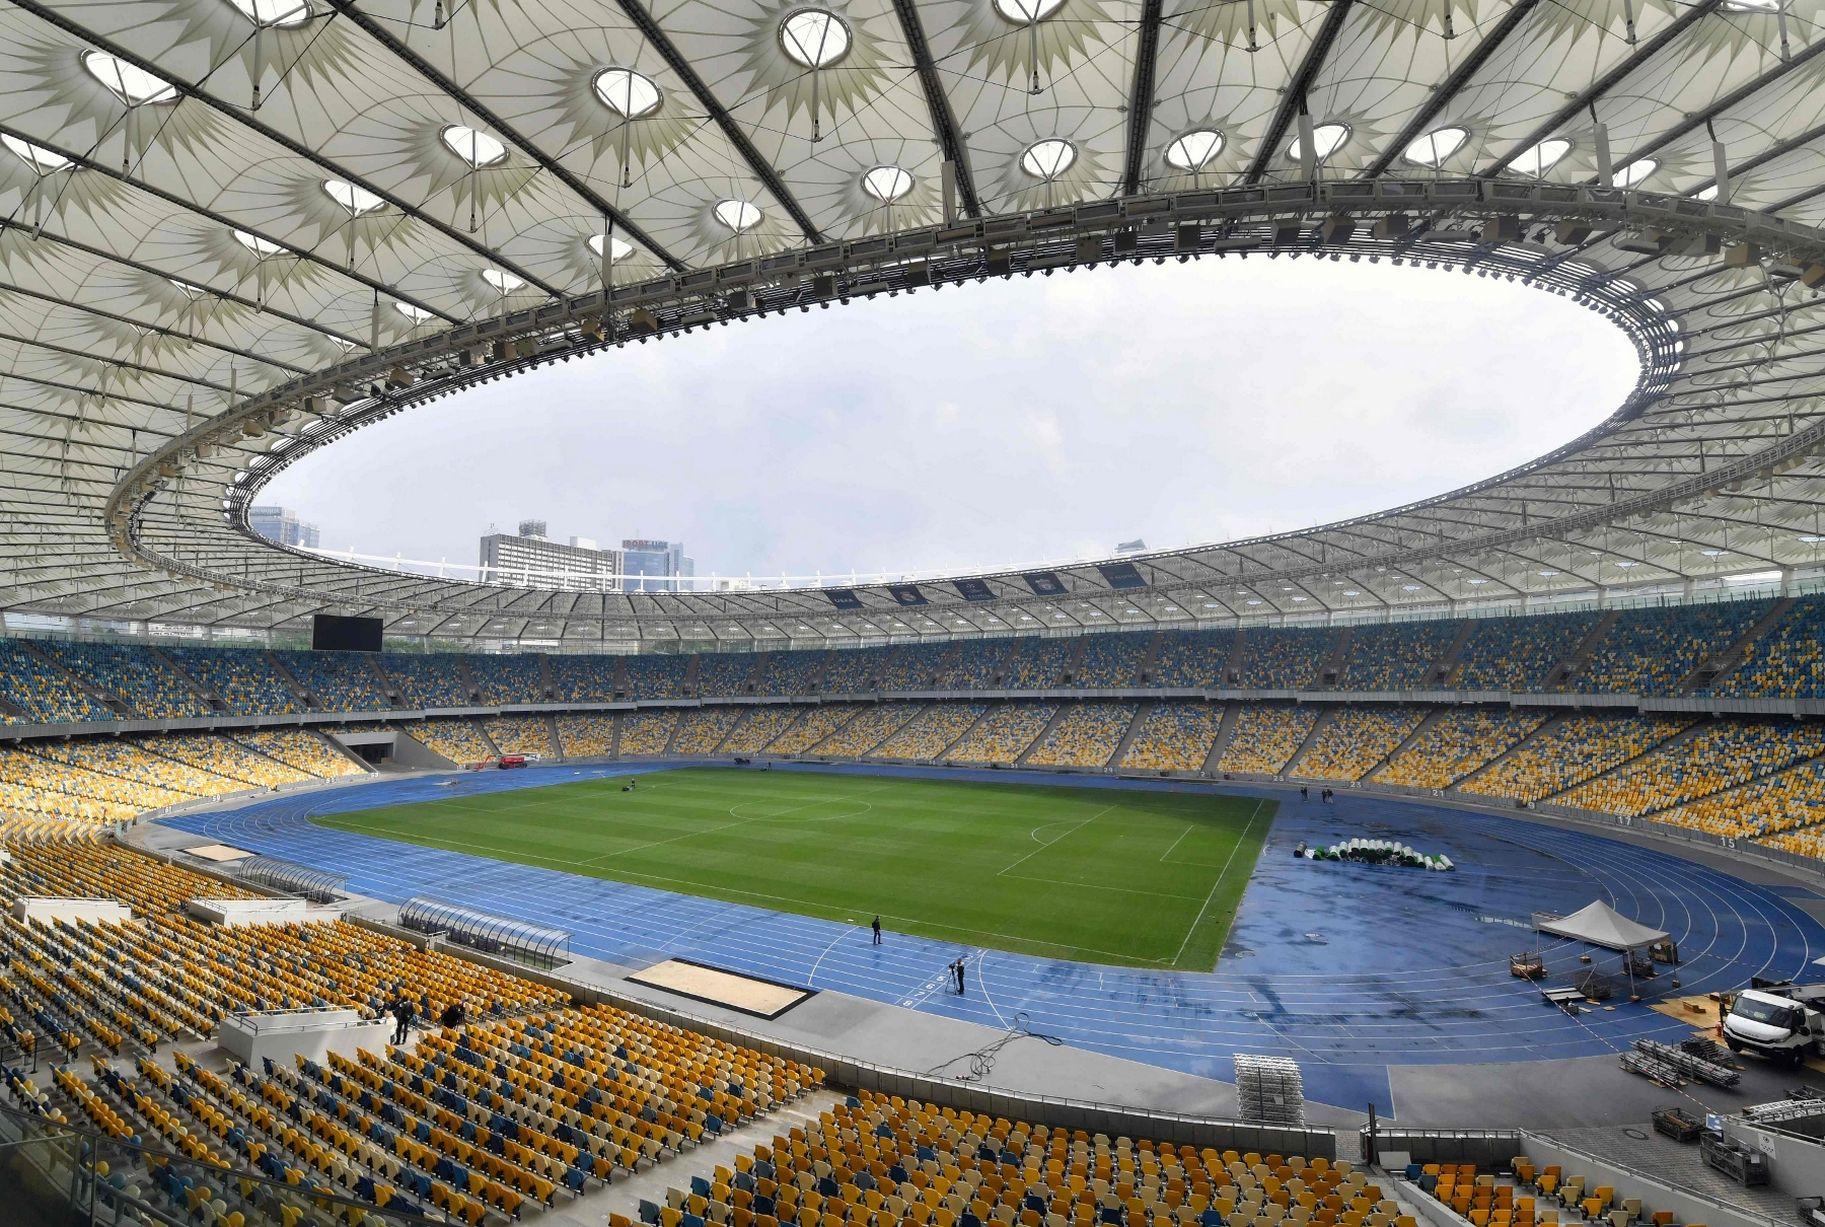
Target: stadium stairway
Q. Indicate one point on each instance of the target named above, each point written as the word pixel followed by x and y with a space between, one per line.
pixel 109 700
pixel 625 1195
pixel 1710 672
pixel 1058 714
pixel 1331 672
pixel 1134 726
pixel 1569 668
pixel 1226 729
pixel 1325 717
pixel 943 756
pixel 171 662
pixel 1525 743
pixel 1685 734
pixel 1446 666
pixel 1231 663
pixel 1431 717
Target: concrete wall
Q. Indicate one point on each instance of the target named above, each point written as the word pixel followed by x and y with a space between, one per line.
pixel 36 910
pixel 1687 1206
pixel 281 1036
pixel 1796 1165
pixel 235 913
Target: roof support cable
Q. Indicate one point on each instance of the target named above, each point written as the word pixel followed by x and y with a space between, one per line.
pixel 817 113
pixel 1628 21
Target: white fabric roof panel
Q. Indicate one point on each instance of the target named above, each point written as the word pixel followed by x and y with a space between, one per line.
pixel 130 311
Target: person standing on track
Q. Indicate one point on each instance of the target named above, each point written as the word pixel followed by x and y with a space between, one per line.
pixel 877 930
pixel 957 970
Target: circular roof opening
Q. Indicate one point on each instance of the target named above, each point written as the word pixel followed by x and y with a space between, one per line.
pixel 1636 171
pixel 40 159
pixel 1542 157
pixel 1048 159
pixel 1753 6
pixel 816 38
pixel 1194 150
pixel 1327 139
pixel 478 149
pixel 1434 147
pixel 259 246
pixel 1027 12
pixel 274 14
pixel 887 183
pixel 357 200
pixel 503 282
pixel 629 94
pixel 737 215
pixel 622 250
pixel 133 86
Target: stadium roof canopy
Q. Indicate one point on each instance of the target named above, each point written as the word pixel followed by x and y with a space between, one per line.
pixel 235 230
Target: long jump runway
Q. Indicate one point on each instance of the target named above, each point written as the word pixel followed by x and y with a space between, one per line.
pixel 1345 968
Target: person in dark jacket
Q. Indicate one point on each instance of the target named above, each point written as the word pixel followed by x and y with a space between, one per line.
pixel 454 1016
pixel 403 1014
pixel 877 930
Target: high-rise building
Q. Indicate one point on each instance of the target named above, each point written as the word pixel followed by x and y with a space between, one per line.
pixel 281 526
pixel 532 559
pixel 661 563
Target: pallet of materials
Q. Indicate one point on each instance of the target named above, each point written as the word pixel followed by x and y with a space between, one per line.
pixel 1740 1163
pixel 1656 1071
pixel 1678 1124
pixel 1269 1091
pixel 1689 1066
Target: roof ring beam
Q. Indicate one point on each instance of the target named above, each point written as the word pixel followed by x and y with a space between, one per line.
pixel 944 122
pixel 682 69
pixel 507 131
pixel 1602 85
pixel 1140 96
pixel 1448 89
pixel 245 119
pixel 1294 98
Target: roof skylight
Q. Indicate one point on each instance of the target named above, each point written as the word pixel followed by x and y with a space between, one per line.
pixel 503 281
pixel 417 315
pixel 1048 159
pixel 132 85
pixel 622 250
pixel 1434 147
pixel 1636 171
pixel 1327 139
pixel 1542 157
pixel 887 183
pixel 1194 150
pixel 259 246
pixel 737 215
pixel 627 93
pixel 478 149
pixel 357 200
pixel 1027 12
pixel 274 14
pixel 40 159
pixel 816 38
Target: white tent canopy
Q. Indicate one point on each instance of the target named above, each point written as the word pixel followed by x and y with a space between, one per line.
pixel 1600 925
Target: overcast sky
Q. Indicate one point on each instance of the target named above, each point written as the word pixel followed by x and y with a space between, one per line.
pixel 1013 421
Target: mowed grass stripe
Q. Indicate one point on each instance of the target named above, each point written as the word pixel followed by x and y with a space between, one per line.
pixel 1142 878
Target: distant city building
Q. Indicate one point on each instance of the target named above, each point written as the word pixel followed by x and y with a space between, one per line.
pixel 532 559
pixel 281 526
pixel 1135 546
pixel 659 563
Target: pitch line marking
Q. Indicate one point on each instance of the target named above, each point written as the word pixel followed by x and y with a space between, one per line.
pixel 1048 843
pixel 1234 848
pixel 1126 890
pixel 1175 843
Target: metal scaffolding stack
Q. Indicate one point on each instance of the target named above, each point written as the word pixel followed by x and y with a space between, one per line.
pixel 1269 1090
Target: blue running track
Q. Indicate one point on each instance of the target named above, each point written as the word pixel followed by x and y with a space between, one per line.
pixel 1346 969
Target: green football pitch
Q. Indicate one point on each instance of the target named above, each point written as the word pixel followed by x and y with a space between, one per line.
pixel 1150 879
